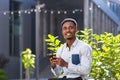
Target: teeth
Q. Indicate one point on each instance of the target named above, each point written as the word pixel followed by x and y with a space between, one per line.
pixel 68 34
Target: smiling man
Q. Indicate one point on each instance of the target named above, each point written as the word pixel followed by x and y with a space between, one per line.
pixel 73 59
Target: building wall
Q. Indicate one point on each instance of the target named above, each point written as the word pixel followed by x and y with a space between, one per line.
pixel 104 20
pixel 26 36
pixel 4 29
pixel 114 5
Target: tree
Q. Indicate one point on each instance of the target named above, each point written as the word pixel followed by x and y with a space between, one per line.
pixel 28 60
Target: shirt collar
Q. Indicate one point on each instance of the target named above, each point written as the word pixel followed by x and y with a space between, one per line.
pixel 74 43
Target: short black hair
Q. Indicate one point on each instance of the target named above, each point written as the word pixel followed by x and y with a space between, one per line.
pixel 69 19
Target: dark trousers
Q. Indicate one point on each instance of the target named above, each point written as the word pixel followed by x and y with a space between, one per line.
pixel 64 78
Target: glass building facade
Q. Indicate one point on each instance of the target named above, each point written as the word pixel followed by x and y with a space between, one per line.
pixel 114 5
pixel 103 19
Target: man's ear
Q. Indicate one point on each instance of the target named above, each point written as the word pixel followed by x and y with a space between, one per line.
pixel 76 29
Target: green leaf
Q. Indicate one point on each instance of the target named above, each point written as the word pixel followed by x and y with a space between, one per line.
pixel 28 59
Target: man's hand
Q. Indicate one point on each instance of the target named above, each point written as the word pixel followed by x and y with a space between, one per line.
pixel 61 62
pixel 53 61
pixel 58 61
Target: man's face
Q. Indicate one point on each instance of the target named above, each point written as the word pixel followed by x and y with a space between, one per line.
pixel 68 30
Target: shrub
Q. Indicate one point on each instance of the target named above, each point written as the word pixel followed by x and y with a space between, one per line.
pixel 2 75
pixel 105 55
pixel 3 61
pixel 28 60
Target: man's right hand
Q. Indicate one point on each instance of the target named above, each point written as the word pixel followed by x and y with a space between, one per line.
pixel 53 61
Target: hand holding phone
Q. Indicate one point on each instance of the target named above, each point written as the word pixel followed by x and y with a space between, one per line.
pixel 54 57
pixel 50 55
pixel 53 60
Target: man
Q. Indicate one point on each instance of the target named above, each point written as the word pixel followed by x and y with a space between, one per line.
pixel 73 59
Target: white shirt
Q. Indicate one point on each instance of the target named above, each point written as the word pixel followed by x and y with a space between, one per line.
pixel 80 70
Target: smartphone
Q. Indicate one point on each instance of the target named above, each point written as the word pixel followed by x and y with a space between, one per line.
pixel 50 55
pixel 54 57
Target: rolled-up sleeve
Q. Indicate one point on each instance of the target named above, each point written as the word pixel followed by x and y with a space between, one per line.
pixel 57 70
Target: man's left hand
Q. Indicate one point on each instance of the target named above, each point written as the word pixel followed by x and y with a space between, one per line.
pixel 61 62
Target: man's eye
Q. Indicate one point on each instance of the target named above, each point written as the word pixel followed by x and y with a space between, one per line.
pixel 71 27
pixel 64 28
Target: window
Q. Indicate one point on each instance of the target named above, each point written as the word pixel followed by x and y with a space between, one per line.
pixel 14 29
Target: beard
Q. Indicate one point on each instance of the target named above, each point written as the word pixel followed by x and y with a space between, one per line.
pixel 69 38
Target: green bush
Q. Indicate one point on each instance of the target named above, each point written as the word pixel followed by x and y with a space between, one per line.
pixel 2 75
pixel 28 60
pixel 105 55
pixel 3 61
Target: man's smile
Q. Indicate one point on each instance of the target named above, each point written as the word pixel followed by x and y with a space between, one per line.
pixel 68 34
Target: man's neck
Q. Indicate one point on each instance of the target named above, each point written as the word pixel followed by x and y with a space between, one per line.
pixel 70 42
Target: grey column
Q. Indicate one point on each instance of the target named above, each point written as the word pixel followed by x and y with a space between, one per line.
pixel 95 19
pixel 86 13
pixel 52 23
pixel 21 47
pixel 38 41
pixel 45 33
pixel 115 29
pixel 103 22
pixel 98 21
pixel 91 14
pixel 109 25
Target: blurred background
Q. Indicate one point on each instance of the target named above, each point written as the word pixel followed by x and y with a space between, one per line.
pixel 26 24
